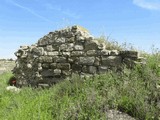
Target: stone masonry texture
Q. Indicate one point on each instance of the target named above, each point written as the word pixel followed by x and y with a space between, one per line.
pixel 60 54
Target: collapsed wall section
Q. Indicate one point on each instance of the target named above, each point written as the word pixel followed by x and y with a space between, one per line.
pixel 59 54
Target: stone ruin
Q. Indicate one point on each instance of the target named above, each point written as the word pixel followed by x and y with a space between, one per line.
pixel 60 54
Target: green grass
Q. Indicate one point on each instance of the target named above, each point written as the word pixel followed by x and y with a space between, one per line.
pixel 135 92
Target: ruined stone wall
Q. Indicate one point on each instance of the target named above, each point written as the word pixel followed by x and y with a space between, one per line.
pixel 59 54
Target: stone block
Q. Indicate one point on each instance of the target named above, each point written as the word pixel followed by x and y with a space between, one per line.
pixel 97 61
pixel 112 61
pixel 77 53
pixel 57 72
pixel 76 67
pixel 102 69
pixel 66 72
pixel 47 59
pixel 129 54
pixel 37 51
pixel 114 52
pixel 60 40
pixel 55 53
pixel 46 65
pixel 92 69
pixel 129 62
pixel 66 54
pixel 105 52
pixel 49 48
pixel 86 60
pixel 78 47
pixel 41 59
pixel 42 42
pixel 55 47
pixel 29 66
pixel 92 53
pixel 70 47
pixel 91 45
pixel 84 69
pixel 63 47
pixel 60 60
pixel 53 65
pixel 80 39
pixel 73 60
pixel 25 47
pixel 47 73
pixel 101 46
pixel 70 40
pixel 63 66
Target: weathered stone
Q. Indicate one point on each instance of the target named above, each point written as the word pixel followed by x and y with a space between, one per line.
pixel 49 48
pixel 92 69
pixel 46 65
pixel 80 39
pixel 63 47
pixel 53 65
pixel 47 59
pixel 101 46
pixel 41 50
pixel 63 66
pixel 86 60
pixel 61 60
pixel 76 67
pixel 74 60
pixel 39 67
pixel 21 53
pixel 112 61
pixel 66 54
pixel 114 52
pixel 55 53
pixel 74 29
pixel 97 61
pixel 78 47
pixel 89 69
pixel 57 72
pixel 41 59
pixel 77 53
pixel 25 47
pixel 37 51
pixel 91 45
pixel 129 54
pixel 60 40
pixel 85 69
pixel 42 42
pixel 70 40
pixel 47 73
pixel 70 47
pixel 29 66
pixel 66 72
pixel 105 52
pixel 92 53
pixel 102 69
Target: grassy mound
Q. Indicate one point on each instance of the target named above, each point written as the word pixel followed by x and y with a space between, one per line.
pixel 135 92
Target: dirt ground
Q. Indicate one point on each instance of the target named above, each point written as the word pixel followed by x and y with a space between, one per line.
pixel 6 65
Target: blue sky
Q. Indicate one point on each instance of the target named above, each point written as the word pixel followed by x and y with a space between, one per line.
pixel 23 22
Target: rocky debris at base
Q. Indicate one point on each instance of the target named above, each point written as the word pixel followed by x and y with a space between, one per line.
pixel 13 89
pixel 117 115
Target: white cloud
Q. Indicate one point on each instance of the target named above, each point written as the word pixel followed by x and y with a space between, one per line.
pixel 148 4
pixel 66 12
pixel 29 10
